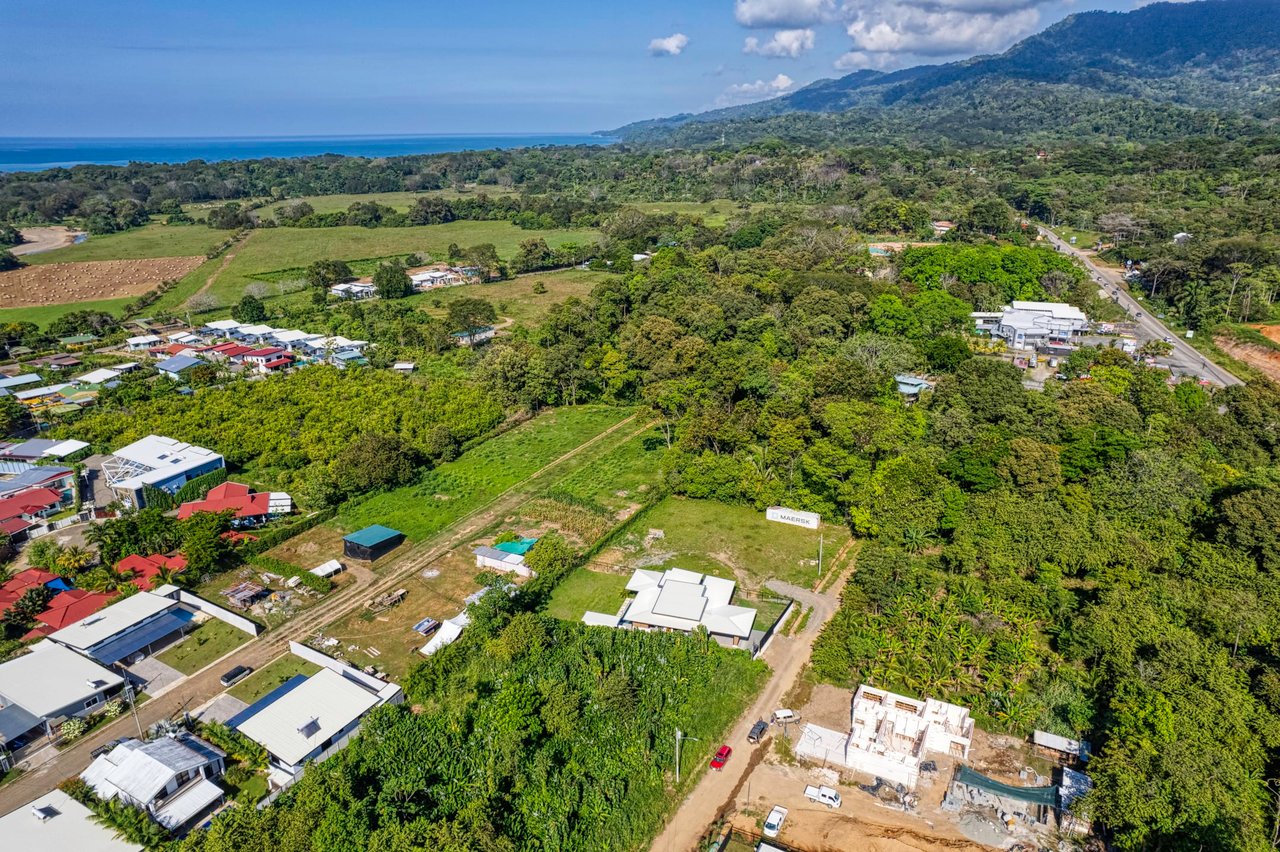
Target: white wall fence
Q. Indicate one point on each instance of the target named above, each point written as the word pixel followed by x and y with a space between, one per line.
pixel 196 602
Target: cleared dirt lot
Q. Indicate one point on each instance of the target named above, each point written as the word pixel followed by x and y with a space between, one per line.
pixel 36 240
pixel 60 283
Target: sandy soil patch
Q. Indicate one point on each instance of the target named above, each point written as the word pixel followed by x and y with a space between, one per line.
pixel 1263 360
pixel 36 240
pixel 1271 331
pixel 60 283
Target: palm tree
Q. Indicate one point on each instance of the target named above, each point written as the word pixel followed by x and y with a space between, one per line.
pixel 168 575
pixel 107 579
pixel 74 559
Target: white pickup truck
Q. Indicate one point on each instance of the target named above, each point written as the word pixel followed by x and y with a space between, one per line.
pixel 773 822
pixel 823 796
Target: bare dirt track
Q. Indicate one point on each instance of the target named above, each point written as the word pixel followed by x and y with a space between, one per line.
pixel 36 240
pixel 61 283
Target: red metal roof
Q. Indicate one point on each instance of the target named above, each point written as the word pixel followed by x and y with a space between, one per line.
pixel 146 568
pixel 265 351
pixel 12 526
pixel 228 496
pixel 279 362
pixel 23 580
pixel 29 502
pixel 70 606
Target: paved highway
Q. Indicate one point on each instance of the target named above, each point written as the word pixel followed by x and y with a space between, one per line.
pixel 1185 359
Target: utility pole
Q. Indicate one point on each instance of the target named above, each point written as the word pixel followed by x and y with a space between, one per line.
pixel 133 705
pixel 819 555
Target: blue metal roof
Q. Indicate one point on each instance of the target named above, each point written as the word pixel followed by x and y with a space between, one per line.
pixel 519 548
pixel 372 536
pixel 114 650
pixel 177 364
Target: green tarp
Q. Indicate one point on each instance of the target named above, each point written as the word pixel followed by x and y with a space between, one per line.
pixel 1047 796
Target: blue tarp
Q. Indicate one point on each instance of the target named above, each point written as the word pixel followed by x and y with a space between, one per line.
pixel 135 640
pixel 58 585
pixel 519 548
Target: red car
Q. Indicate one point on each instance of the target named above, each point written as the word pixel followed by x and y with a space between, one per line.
pixel 721 758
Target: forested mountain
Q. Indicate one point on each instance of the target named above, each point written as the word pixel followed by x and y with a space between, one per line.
pixel 1193 64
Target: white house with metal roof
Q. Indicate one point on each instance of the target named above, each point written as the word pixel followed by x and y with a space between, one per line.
pixel 1025 325
pixel 47 686
pixel 171 778
pixel 55 821
pixel 128 627
pixel 309 718
pixel 682 600
pixel 159 462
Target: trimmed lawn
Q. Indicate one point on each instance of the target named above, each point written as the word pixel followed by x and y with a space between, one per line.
pixel 154 240
pixel 270 676
pixel 729 541
pixel 456 488
pixel 208 642
pixel 584 590
pixel 276 250
pixel 515 298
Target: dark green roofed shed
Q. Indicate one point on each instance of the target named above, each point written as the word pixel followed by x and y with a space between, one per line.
pixel 371 543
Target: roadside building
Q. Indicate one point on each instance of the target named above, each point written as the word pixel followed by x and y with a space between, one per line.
pixel 293 339
pixel 12 590
pixel 132 626
pixel 890 735
pixel 38 449
pixel 57 822
pixel 276 364
pixel 263 354
pixel 229 351
pixel 42 689
pixel 683 601
pixel 309 718
pixel 371 543
pixel 172 778
pixel 1027 325
pixel 219 328
pixel 158 462
pixel 254 334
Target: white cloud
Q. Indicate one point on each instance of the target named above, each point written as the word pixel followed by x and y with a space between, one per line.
pixel 887 34
pixel 785 43
pixel 672 45
pixel 764 14
pixel 742 93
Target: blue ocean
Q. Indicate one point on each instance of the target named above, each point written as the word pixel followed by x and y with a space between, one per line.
pixel 18 154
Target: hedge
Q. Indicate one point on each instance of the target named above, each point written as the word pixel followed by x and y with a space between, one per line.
pixel 288 569
pixel 197 488
pixel 274 536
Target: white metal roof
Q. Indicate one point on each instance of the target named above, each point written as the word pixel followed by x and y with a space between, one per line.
pixel 25 379
pixel 108 622
pixel 257 330
pixel 97 377
pixel 47 390
pixel 51 678
pixel 674 600
pixel 680 600
pixel 599 619
pixel 55 821
pixel 154 458
pixel 182 808
pixel 62 449
pixel 143 338
pixel 137 772
pixel 327 569
pixel 292 335
pixel 295 724
pixel 222 325
pixel 1058 310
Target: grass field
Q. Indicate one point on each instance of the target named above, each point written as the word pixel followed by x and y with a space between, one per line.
pixel 42 315
pixel 515 298
pixel 619 478
pixel 154 240
pixel 278 249
pixel 729 541
pixel 458 487
pixel 396 200
pixel 270 676
pixel 586 589
pixel 714 213
pixel 206 643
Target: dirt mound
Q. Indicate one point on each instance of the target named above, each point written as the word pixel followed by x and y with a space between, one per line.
pixel 61 283
pixel 1265 361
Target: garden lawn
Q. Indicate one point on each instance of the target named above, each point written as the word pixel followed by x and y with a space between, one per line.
pixel 208 642
pixel 456 488
pixel 274 251
pixel 701 533
pixel 586 589
pixel 270 676
pixel 154 240
pixel 516 298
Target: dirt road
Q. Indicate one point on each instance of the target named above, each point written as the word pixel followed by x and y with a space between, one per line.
pixel 204 685
pixel 787 656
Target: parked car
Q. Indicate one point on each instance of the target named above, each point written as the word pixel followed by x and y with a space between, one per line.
pixel 757 731
pixel 783 715
pixel 773 822
pixel 721 758
pixel 236 675
pixel 1138 315
pixel 823 796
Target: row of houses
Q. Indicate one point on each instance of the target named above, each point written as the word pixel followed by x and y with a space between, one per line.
pixel 263 348
pixel 426 278
pixel 32 391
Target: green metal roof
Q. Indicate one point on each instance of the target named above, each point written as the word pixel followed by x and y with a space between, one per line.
pixel 372 536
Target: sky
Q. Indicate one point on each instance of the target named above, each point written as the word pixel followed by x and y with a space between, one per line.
pixel 140 68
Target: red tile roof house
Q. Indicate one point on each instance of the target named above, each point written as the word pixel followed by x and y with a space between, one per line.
pixel 250 509
pixel 145 569
pixel 28 509
pixel 18 585
pixel 66 609
pixel 275 366
pixel 261 356
pixel 229 351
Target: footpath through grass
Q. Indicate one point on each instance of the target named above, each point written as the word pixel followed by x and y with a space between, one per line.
pixel 206 643
pixel 456 488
